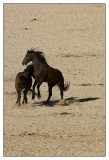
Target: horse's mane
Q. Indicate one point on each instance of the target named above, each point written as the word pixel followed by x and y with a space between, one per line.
pixel 39 55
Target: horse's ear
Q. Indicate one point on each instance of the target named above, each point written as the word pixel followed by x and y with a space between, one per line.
pixel 28 51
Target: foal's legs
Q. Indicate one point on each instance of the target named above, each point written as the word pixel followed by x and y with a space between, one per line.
pixel 18 98
pixel 25 96
pixel 34 85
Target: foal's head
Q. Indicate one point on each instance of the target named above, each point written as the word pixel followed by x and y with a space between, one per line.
pixel 29 69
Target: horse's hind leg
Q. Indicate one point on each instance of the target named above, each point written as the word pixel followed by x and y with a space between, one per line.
pixel 61 93
pixel 61 89
pixel 34 85
pixel 50 93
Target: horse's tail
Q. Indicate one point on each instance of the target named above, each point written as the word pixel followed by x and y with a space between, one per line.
pixel 66 86
pixel 63 86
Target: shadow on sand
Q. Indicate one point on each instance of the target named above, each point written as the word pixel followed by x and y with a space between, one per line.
pixel 68 101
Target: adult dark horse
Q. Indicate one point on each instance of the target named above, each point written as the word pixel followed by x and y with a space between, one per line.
pixel 24 81
pixel 45 73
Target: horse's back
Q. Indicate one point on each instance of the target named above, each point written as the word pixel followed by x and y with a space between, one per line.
pixel 22 81
pixel 53 75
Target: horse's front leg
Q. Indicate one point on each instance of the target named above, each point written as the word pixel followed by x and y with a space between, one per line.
pixel 34 85
pixel 38 86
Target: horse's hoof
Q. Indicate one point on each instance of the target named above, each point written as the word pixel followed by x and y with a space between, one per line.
pixel 33 102
pixel 33 97
pixel 39 96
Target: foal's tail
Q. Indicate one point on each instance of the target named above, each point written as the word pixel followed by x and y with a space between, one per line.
pixel 63 86
pixel 23 82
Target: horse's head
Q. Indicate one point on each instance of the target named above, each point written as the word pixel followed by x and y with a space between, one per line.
pixel 28 57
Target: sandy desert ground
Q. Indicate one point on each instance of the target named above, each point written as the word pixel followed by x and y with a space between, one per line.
pixel 72 37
